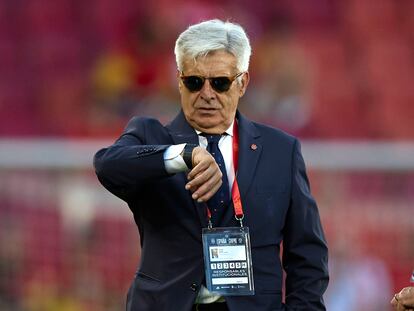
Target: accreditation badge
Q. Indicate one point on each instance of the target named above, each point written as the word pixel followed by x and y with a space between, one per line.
pixel 228 261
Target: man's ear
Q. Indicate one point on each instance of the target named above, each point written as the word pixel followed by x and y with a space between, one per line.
pixel 244 83
pixel 180 85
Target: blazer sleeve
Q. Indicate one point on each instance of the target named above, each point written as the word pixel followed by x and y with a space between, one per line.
pixel 305 252
pixel 123 167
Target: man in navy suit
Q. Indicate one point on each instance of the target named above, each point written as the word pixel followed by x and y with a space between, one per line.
pixel 176 184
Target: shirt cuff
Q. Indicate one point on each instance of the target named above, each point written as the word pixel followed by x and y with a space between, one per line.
pixel 174 162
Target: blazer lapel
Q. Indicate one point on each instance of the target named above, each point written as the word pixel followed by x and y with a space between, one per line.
pixel 181 132
pixel 250 148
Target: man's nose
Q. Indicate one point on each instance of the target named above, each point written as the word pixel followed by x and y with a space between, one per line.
pixel 207 93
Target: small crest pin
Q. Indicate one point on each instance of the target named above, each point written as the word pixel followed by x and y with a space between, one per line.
pixel 253 146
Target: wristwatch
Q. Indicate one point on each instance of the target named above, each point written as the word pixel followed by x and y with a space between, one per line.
pixel 187 155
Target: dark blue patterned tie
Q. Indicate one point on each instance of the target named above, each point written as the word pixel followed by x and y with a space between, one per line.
pixel 221 199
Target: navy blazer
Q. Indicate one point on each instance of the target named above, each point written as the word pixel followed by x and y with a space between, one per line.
pixel 276 200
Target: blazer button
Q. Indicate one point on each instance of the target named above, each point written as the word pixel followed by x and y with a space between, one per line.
pixel 194 287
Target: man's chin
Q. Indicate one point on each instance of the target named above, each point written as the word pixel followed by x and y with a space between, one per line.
pixel 208 126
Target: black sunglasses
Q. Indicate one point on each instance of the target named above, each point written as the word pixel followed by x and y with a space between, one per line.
pixel 219 84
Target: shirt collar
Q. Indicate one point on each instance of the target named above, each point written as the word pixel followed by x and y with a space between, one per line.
pixel 229 131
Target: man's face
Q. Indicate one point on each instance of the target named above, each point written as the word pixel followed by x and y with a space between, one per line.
pixel 207 110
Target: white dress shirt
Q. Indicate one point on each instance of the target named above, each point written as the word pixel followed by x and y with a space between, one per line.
pixel 174 162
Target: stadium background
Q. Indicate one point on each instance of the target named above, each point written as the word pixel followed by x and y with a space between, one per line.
pixel 338 74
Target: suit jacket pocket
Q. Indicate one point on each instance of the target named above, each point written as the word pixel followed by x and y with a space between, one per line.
pixel 145 281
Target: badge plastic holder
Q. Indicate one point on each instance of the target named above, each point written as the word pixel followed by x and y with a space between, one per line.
pixel 227 260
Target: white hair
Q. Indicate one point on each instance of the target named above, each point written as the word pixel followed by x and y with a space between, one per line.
pixel 213 35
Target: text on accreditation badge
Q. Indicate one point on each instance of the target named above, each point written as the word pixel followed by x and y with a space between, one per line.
pixel 228 261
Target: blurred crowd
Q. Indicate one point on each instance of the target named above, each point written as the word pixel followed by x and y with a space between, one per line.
pixel 321 69
pixel 61 248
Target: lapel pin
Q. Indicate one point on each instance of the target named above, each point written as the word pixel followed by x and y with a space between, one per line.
pixel 253 146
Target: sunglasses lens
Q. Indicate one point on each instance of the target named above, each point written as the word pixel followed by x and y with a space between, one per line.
pixel 193 83
pixel 221 84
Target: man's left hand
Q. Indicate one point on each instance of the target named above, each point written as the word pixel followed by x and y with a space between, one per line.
pixel 205 177
pixel 404 300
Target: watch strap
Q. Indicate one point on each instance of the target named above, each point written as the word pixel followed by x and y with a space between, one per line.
pixel 187 155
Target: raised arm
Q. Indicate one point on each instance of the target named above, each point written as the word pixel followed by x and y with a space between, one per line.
pixel 136 157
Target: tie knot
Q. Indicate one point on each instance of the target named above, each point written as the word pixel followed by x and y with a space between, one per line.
pixel 212 138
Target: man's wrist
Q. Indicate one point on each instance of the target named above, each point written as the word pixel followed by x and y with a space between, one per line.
pixel 187 155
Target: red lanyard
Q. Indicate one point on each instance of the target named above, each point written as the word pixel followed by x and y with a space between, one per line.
pixel 235 192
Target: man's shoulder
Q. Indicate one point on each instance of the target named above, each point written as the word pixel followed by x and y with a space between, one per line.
pixel 266 132
pixel 149 130
pixel 143 123
pixel 143 120
pixel 273 133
